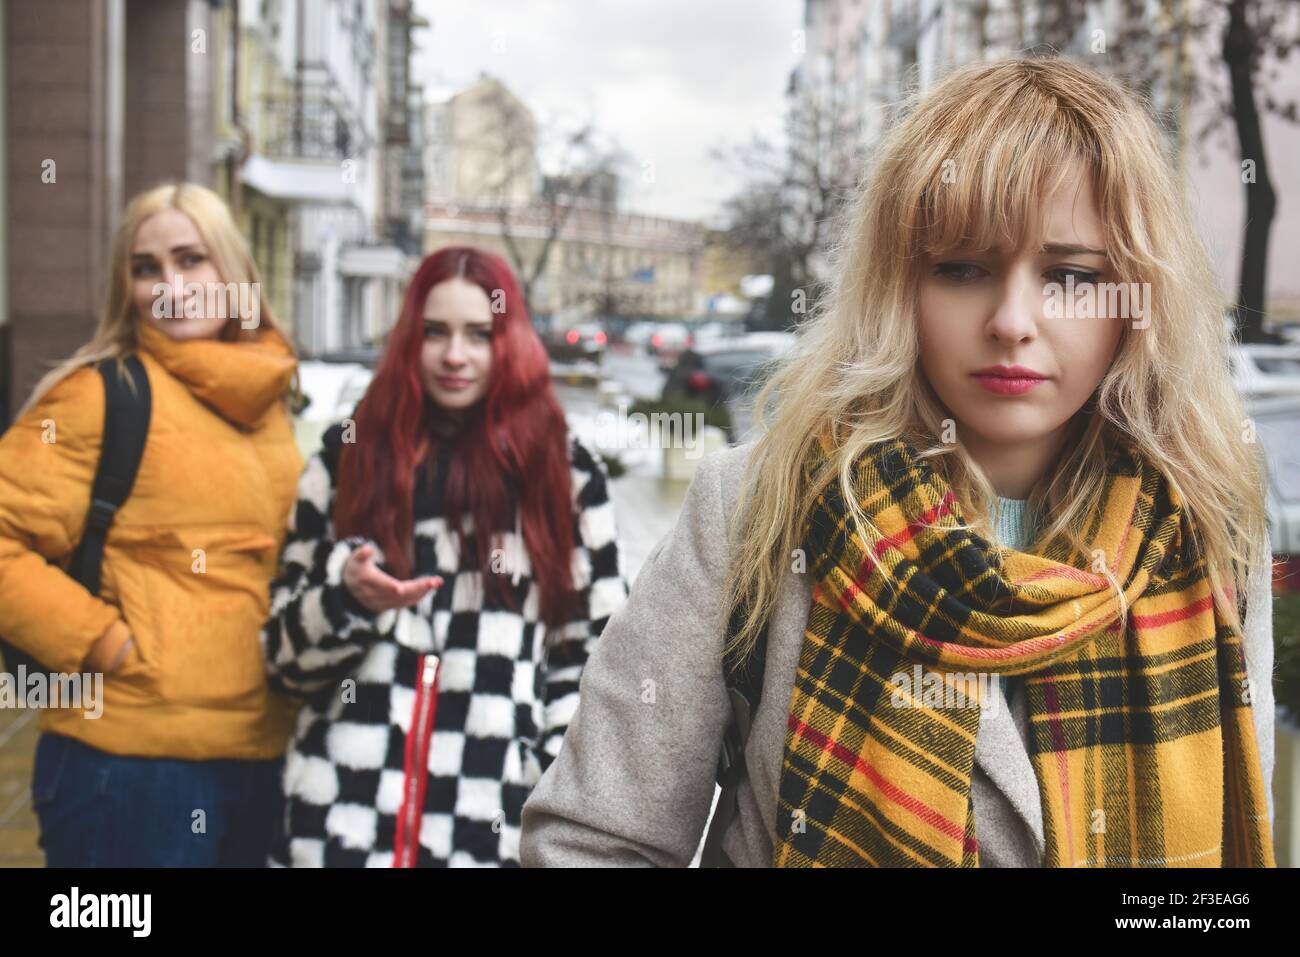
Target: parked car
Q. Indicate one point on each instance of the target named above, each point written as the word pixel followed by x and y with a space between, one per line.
pixel 1277 426
pixel 729 371
pixel 668 341
pixel 638 333
pixel 586 340
pixel 714 330
pixel 1260 369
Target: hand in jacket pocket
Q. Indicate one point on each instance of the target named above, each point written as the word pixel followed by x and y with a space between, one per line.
pixel 109 650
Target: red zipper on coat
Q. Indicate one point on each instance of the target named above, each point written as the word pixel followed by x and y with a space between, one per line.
pixel 406 841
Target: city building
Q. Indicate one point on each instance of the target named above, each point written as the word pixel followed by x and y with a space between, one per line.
pixel 332 159
pixel 592 259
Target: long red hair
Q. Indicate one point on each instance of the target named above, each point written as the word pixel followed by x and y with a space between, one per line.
pixel 511 448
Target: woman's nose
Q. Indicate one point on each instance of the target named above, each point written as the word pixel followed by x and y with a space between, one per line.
pixel 455 354
pixel 177 293
pixel 1017 312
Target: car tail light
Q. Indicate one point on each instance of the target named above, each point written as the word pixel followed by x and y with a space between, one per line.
pixel 600 338
pixel 690 340
pixel 571 337
pixel 656 340
pixel 698 381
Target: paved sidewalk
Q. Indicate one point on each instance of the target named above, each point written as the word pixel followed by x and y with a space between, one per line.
pixel 18 832
pixel 645 510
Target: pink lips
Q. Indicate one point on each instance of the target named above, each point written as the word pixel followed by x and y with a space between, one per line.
pixel 453 384
pixel 1008 380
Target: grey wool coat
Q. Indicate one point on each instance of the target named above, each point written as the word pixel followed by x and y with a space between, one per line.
pixel 634 781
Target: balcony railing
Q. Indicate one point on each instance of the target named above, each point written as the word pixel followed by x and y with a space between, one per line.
pixel 310 127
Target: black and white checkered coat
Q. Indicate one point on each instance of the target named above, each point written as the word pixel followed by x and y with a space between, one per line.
pixel 503 702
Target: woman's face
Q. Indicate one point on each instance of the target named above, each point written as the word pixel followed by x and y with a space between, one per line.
pixel 457 356
pixel 994 308
pixel 168 251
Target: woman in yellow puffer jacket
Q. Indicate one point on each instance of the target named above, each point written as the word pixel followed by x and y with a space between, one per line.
pixel 178 765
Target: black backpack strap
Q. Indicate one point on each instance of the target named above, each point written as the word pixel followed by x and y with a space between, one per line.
pixel 744 684
pixel 126 426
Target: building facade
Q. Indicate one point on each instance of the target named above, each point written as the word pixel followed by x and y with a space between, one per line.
pixel 332 160
pixel 484 187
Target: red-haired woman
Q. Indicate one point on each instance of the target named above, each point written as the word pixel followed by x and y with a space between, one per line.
pixel 440 665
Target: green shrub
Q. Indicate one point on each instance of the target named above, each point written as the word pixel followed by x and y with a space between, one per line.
pixel 716 415
pixel 1286 660
pixel 614 464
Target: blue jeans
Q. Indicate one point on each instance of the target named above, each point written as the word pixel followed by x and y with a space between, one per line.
pixel 104 810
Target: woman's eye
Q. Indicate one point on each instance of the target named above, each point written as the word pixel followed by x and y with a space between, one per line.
pixel 1082 277
pixel 958 272
pixel 191 259
pixel 430 332
pixel 143 269
pixel 483 335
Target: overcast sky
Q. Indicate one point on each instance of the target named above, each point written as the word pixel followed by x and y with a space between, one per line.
pixel 669 80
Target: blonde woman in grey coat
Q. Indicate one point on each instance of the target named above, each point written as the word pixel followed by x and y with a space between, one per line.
pixel 1006 182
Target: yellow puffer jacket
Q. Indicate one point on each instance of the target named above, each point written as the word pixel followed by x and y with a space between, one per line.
pixel 187 560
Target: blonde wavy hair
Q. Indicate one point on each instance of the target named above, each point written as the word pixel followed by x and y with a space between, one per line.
pixel 1011 126
pixel 116 334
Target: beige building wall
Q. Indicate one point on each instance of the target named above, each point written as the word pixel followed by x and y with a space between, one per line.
pixel 483 145
pixel 594 258
pixel 264 220
pixel 723 268
pixel 265 224
pixel 481 159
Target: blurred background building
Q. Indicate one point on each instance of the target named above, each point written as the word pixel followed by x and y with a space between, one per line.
pixel 578 253
pixel 300 113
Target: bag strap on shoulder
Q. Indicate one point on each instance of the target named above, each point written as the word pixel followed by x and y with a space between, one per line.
pixel 744 684
pixel 126 426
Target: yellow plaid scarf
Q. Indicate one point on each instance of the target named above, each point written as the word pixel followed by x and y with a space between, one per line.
pixel 1142 742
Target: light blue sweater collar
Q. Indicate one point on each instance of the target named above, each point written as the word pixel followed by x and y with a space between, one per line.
pixel 1015 526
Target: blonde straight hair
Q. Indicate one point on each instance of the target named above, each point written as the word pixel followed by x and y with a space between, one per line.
pixel 116 334
pixel 1010 129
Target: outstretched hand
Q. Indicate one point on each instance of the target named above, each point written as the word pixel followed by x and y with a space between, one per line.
pixel 379 591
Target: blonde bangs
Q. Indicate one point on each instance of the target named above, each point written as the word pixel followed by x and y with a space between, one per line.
pixel 984 180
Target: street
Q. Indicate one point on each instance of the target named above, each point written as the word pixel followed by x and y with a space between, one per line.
pixel 646 502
